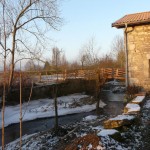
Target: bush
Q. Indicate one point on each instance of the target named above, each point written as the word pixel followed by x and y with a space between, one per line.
pixel 131 91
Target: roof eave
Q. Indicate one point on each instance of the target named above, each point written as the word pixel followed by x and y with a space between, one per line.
pixel 118 25
pixel 131 24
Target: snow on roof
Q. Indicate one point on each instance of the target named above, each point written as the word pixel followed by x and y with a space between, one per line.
pixel 123 117
pixel 107 132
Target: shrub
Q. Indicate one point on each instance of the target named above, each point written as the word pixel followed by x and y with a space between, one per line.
pixel 131 91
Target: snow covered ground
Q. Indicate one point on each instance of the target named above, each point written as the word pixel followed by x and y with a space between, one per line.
pixel 147 105
pixel 132 137
pixel 123 117
pixel 45 108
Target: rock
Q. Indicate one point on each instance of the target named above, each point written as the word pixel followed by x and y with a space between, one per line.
pixel 118 121
pixel 132 108
pixel 90 118
pixel 138 100
pixel 107 132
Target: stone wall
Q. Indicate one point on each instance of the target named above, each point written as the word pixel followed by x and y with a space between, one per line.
pixel 68 87
pixel 138 39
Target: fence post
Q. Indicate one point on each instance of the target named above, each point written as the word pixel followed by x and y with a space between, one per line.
pixel 113 73
pixel 117 73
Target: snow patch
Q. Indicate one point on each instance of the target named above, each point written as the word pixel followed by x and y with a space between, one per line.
pixel 123 117
pixel 45 108
pixel 147 105
pixel 15 144
pixel 90 118
pixel 138 99
pixel 133 107
pixel 98 128
pixel 102 104
pixel 107 132
pixel 100 147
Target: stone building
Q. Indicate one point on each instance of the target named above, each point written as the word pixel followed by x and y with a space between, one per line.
pixel 137 45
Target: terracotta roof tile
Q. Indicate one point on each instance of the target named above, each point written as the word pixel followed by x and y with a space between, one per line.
pixel 133 19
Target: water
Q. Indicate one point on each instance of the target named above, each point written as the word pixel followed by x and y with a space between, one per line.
pixel 114 103
pixel 114 107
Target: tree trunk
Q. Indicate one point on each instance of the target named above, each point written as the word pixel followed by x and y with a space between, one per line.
pixel 4 84
pixel 12 60
pixel 56 110
pixel 20 109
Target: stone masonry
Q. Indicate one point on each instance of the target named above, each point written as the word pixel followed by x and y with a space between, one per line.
pixel 138 43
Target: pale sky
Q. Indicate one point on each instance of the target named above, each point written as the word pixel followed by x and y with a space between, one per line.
pixel 86 18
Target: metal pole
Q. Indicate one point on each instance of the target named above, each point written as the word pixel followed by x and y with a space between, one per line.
pixel 126 51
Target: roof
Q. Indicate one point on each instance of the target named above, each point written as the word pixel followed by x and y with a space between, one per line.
pixel 133 19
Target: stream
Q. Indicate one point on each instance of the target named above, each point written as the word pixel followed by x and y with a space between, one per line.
pixel 114 107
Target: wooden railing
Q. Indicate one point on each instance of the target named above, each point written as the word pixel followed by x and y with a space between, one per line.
pixel 37 76
pixel 108 73
pixel 115 73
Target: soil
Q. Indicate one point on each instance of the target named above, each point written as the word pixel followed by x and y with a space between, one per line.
pixel 84 142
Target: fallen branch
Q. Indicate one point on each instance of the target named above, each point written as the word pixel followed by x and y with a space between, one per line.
pixel 64 137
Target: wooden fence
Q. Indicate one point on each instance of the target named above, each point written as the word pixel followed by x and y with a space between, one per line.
pixel 47 76
pixel 113 73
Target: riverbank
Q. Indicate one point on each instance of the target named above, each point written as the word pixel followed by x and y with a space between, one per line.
pixel 132 137
pixel 114 107
pixel 42 108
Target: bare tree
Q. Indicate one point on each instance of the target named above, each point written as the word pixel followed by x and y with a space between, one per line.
pixel 64 62
pixel 47 65
pixel 74 65
pixel 107 61
pixel 56 56
pixel 83 60
pixel 4 53
pixel 28 19
pixel 55 60
pixel 30 65
pixel 89 54
pixel 118 52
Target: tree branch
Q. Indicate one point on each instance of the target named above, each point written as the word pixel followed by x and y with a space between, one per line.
pixel 23 11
